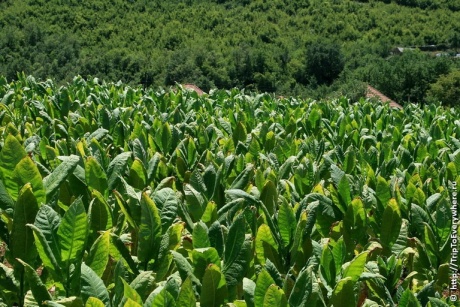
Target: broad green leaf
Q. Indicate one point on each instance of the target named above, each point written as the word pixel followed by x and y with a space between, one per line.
pixel 266 247
pixel 163 299
pixel 149 230
pixel 391 224
pixel 73 231
pixel 235 272
pixel 184 267
pixel 94 302
pixel 249 287
pixel 235 241
pixel 186 296
pixel 48 220
pixel 216 238
pixel 12 152
pixel 93 286
pixel 286 222
pixel 200 235
pixel 166 138
pixel 328 267
pixel 242 180
pixel 137 175
pixel 53 181
pixel 264 281
pixel 214 288
pixel 37 287
pixel 119 247
pixel 116 169
pixel 195 202
pixel 21 238
pixel 99 215
pixel 302 288
pixel 202 258
pixel 96 179
pixel 408 299
pixel 130 293
pixel 239 134
pixel 45 252
pixel 355 267
pixel 99 254
pixel 275 297
pixel 168 204
pixel 144 283
pixel 26 171
pixel 269 196
pixel 383 191
pixel 343 294
pixel 5 199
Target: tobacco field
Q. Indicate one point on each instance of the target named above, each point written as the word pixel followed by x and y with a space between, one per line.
pixel 113 195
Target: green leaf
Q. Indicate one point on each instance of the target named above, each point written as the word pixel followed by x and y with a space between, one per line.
pixel 408 299
pixel 130 293
pixel 45 252
pixel 27 172
pixel 343 294
pixel 302 288
pixel 137 174
pixel 275 297
pixel 266 247
pixel 239 134
pixel 286 222
pixel 249 288
pixel 184 267
pixel 100 215
pixel 328 268
pixel 94 302
pixel 48 220
pixel 383 191
pixel 166 138
pixel 144 283
pixel 53 181
pixel 164 299
pixel 116 169
pixel 214 289
pixel 242 180
pixel 200 235
pixel 195 202
pixel 264 281
pixel 186 296
pixel 149 230
pixel 12 152
pixel 269 196
pixel 234 242
pixel 356 267
pixel 21 238
pixel 73 231
pixel 93 286
pixel 391 224
pixel 37 287
pixel 99 254
pixel 5 199
pixel 235 271
pixel 166 201
pixel 96 178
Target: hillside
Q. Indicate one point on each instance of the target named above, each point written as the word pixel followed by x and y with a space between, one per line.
pixel 313 48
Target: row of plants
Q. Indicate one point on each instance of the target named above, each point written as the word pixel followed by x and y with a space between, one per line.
pixel 118 196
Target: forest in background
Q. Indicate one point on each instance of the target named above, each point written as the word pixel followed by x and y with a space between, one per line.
pixel 310 48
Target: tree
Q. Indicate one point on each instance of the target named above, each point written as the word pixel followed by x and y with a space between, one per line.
pixel 325 62
pixel 446 89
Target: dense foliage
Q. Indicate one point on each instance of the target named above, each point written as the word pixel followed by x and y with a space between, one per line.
pixel 270 46
pixel 115 196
